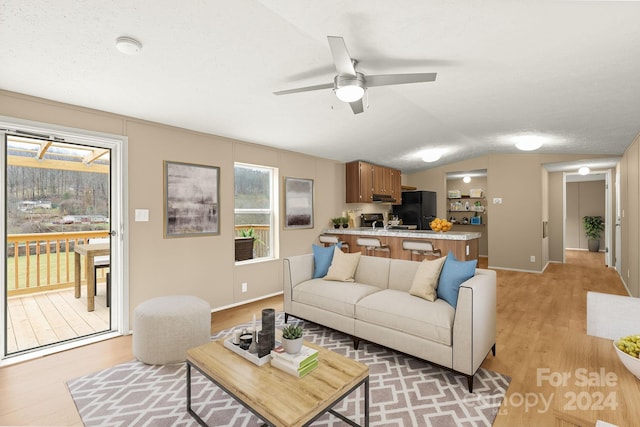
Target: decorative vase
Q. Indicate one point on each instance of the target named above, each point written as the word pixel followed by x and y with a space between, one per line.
pixel 336 225
pixel 292 346
pixel 345 225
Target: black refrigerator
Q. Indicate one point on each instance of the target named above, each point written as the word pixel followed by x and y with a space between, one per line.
pixel 417 208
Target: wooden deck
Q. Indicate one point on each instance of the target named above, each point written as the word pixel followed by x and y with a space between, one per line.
pixel 44 318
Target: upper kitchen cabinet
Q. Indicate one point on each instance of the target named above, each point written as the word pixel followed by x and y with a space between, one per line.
pixel 368 183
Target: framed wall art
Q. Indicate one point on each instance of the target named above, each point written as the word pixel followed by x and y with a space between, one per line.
pixel 298 203
pixel 191 200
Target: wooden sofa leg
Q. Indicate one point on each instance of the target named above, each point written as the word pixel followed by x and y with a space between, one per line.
pixel 470 383
pixel 493 350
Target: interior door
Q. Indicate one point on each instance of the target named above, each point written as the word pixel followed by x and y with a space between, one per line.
pixel 58 199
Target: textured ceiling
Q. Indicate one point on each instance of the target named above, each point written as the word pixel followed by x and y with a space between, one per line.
pixel 567 70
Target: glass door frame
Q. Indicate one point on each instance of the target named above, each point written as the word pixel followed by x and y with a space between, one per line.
pixel 118 146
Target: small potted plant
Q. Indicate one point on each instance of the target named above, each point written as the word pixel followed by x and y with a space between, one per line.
pixel 336 222
pixel 292 338
pixel 593 226
pixel 344 221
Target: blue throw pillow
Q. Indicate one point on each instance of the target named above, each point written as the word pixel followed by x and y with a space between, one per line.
pixel 322 258
pixel 453 274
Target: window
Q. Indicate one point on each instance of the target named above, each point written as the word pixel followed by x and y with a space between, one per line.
pixel 256 208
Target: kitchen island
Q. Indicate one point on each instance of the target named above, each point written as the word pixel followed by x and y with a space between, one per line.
pixel 464 245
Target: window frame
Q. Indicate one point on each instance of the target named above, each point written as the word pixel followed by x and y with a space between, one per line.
pixel 273 210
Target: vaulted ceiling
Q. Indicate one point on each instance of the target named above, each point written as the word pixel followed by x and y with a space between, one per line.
pixel 566 71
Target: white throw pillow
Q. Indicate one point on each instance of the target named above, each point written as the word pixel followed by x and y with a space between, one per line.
pixel 343 266
pixel 425 282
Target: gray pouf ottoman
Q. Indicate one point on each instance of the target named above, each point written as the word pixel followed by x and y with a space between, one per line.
pixel 164 328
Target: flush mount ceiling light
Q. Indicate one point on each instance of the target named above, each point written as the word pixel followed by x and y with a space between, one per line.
pixel 349 88
pixel 466 179
pixel 528 142
pixel 128 45
pixel 584 170
pixel 431 156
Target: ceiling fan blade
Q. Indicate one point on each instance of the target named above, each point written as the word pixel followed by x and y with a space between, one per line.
pixel 357 106
pixel 398 79
pixel 304 89
pixel 341 58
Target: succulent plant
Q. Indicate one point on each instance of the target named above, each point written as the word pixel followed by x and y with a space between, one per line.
pixel 292 332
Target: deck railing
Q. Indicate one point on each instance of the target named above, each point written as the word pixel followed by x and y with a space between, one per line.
pixel 45 261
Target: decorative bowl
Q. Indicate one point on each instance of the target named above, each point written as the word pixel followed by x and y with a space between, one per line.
pixel 630 362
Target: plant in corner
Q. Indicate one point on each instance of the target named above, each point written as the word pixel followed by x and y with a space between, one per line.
pixel 593 227
pixel 292 338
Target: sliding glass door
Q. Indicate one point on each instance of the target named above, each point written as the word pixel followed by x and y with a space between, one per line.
pixel 59 230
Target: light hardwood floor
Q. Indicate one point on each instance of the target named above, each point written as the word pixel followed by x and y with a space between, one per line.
pixel 535 314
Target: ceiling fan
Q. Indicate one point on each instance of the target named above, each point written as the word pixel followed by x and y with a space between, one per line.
pixel 349 85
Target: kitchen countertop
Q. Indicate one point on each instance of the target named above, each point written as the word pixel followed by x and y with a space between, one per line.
pixel 413 234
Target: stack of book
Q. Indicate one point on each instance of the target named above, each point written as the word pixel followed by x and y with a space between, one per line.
pixel 299 364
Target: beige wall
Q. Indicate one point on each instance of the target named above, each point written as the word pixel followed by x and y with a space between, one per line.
pixel 202 266
pixel 630 218
pixel 514 227
pixel 583 198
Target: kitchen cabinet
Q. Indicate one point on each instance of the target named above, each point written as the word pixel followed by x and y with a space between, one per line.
pixel 366 179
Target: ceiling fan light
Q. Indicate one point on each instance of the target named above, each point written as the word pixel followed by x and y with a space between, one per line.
pixel 349 88
pixel 349 93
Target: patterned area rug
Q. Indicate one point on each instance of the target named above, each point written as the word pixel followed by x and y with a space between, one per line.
pixel 404 391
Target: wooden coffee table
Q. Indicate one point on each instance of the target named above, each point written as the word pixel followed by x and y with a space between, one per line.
pixel 278 398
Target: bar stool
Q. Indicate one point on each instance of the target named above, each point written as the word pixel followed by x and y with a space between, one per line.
pixel 373 244
pixel 329 240
pixel 421 247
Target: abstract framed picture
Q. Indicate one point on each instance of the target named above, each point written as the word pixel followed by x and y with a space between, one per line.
pixel 191 200
pixel 298 203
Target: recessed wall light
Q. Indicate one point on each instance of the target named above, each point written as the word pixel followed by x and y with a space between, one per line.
pixel 584 170
pixel 128 45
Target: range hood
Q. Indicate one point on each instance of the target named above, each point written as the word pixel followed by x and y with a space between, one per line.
pixel 380 198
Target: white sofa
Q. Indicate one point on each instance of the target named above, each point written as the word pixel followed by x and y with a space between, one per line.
pixel 378 308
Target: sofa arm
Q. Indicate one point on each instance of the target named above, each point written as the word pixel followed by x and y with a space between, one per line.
pixel 474 329
pixel 297 269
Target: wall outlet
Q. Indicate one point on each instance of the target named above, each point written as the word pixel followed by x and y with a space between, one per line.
pixel 244 287
pixel 533 258
pixel 497 200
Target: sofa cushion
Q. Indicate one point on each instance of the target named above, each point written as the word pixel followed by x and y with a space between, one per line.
pixel 425 281
pixel 453 274
pixel 343 266
pixel 322 258
pixel 336 297
pixel 403 312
